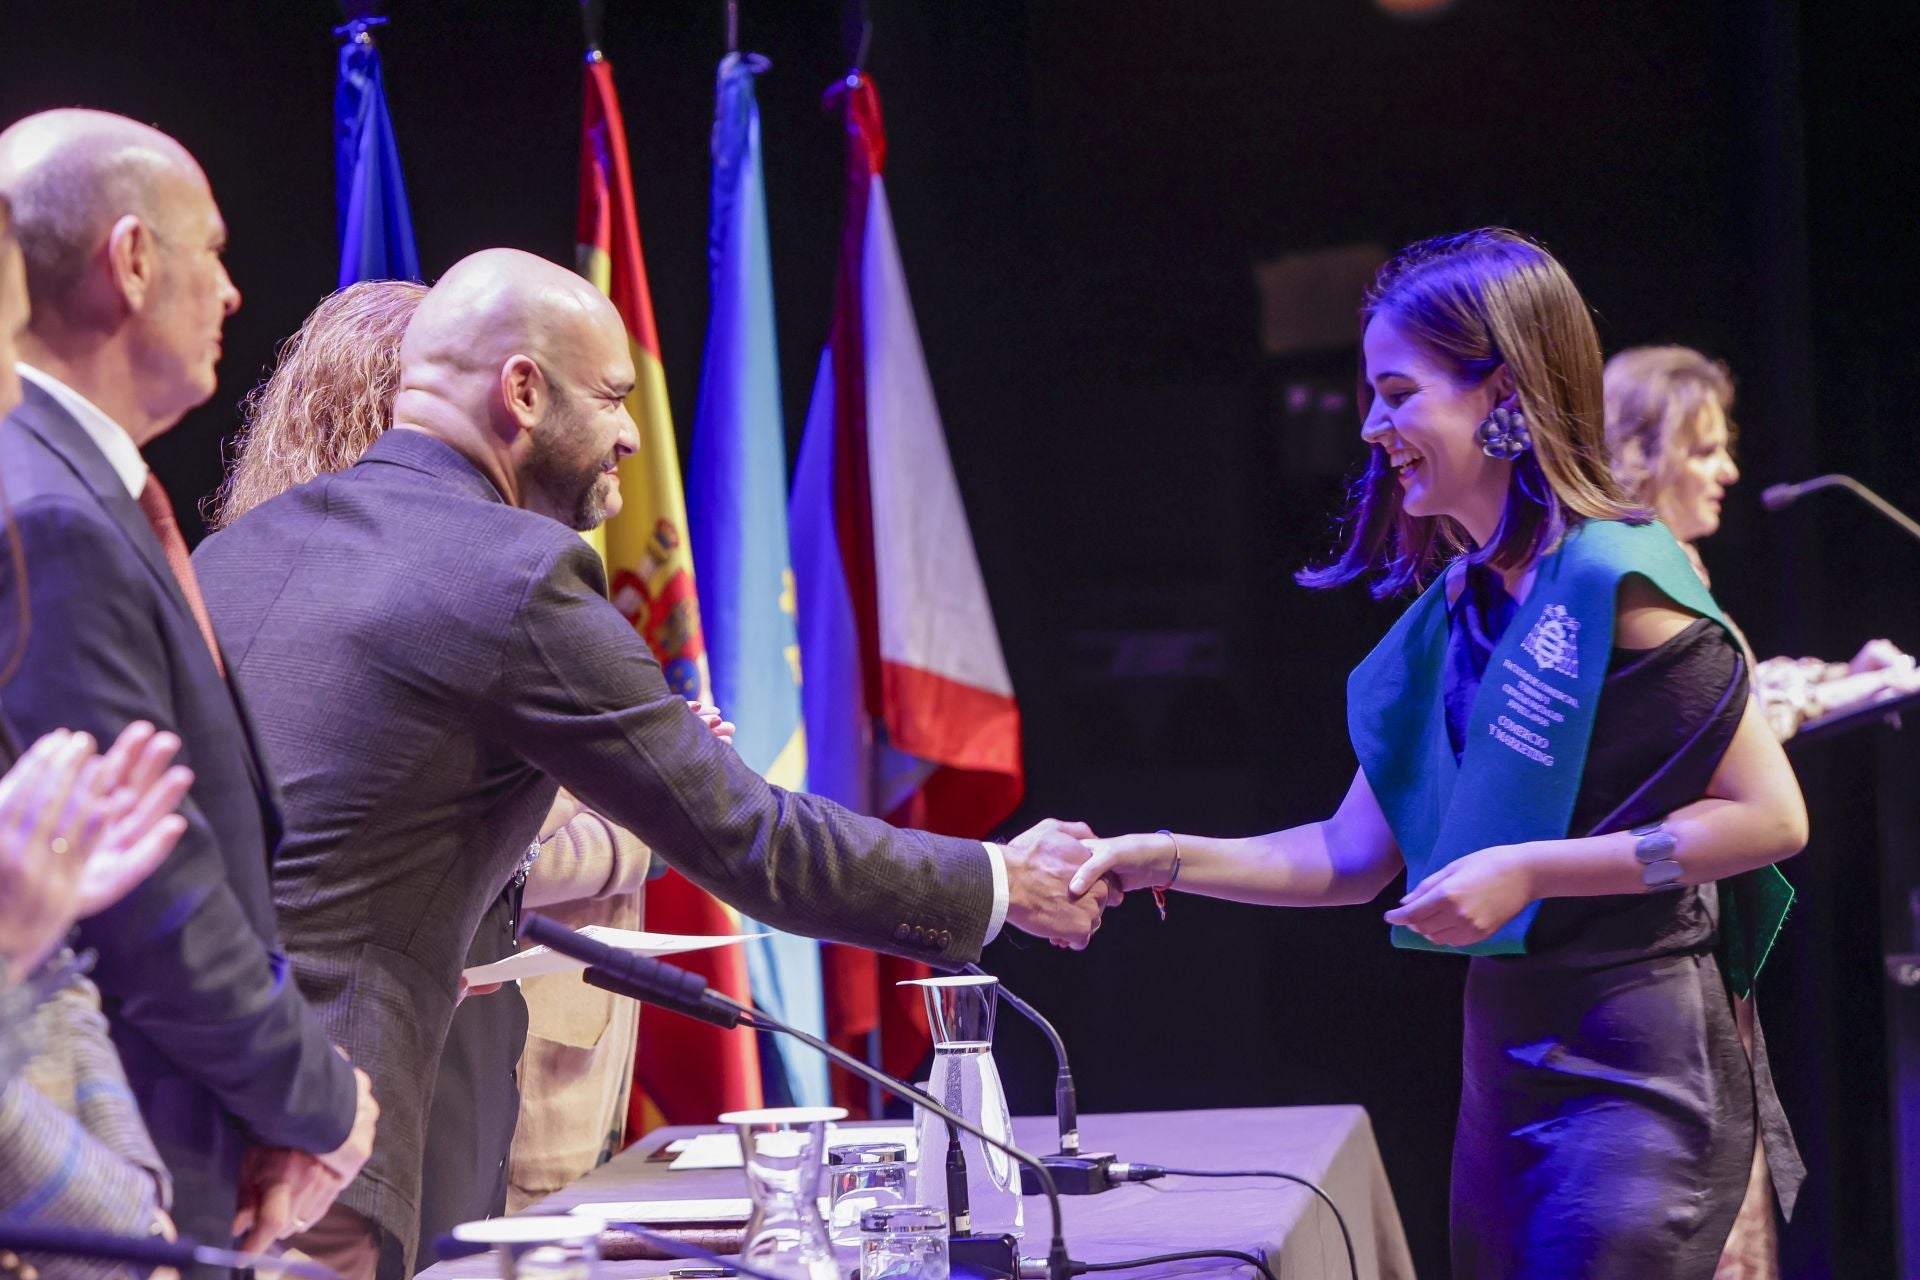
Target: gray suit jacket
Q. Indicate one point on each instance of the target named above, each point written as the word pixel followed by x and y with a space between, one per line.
pixel 425 663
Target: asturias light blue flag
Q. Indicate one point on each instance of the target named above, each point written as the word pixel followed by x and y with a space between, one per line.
pixel 737 510
pixel 376 228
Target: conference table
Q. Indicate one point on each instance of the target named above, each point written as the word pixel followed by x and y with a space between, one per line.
pixel 1288 1225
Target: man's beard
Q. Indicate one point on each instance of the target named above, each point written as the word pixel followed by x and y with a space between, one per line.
pixel 580 491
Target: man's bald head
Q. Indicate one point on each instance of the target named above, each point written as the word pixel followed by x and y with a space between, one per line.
pixel 70 175
pixel 498 303
pixel 524 367
pixel 123 244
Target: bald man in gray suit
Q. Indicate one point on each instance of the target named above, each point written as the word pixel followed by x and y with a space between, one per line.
pixel 429 652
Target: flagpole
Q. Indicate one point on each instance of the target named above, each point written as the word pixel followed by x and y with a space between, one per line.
pixel 590 15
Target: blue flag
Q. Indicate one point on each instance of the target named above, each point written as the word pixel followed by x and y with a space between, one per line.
pixel 737 510
pixel 376 229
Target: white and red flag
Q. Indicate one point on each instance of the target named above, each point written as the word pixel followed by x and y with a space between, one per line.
pixel 909 710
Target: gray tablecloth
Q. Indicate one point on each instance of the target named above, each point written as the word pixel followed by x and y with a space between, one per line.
pixel 1332 1146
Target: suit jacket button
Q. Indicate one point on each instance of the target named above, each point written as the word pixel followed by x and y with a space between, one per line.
pixel 946 937
pixel 902 932
pixel 919 936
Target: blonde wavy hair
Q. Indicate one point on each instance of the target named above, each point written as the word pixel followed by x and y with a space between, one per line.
pixel 1656 399
pixel 329 397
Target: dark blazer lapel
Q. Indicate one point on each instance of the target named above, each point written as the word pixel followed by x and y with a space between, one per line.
pixel 42 415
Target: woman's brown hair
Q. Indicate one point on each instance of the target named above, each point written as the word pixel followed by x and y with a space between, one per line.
pixel 1655 398
pixel 330 396
pixel 1478 301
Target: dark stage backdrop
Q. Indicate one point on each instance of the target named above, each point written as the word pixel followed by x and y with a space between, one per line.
pixel 1083 193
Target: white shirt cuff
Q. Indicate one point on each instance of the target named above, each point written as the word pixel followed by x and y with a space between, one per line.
pixel 998 861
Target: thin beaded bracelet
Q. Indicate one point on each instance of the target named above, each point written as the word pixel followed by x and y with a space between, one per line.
pixel 1160 891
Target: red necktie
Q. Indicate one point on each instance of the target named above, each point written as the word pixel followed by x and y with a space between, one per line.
pixel 159 512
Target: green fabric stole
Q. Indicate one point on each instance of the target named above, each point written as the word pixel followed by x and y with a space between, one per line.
pixel 1526 749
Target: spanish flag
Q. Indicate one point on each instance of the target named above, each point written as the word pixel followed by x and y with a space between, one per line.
pixel 685 1072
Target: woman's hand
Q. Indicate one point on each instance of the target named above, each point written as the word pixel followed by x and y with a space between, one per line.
pixel 138 793
pixel 78 832
pixel 1466 900
pixel 720 728
pixel 1880 655
pixel 1134 862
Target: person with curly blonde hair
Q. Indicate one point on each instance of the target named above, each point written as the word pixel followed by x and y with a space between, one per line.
pixel 1671 434
pixel 329 398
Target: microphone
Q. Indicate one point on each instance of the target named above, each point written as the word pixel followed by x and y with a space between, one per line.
pixel 1777 497
pixel 635 976
pixel 651 982
pixel 148 1251
pixel 1076 1174
pixel 1065 1108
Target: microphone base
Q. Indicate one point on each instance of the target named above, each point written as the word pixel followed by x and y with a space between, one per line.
pixel 1087 1174
pixel 984 1257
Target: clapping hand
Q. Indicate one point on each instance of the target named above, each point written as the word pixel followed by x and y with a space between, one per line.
pixel 78 831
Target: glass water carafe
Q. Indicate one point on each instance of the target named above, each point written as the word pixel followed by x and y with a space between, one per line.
pixel 960 1012
pixel 783 1150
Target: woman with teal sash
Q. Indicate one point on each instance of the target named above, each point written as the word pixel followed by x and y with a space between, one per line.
pixel 1557 744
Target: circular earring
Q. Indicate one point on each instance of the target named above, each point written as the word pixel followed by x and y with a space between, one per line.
pixel 1504 434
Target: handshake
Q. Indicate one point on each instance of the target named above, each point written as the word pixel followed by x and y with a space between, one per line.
pixel 1041 865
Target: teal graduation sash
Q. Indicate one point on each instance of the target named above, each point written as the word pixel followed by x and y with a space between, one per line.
pixel 1526 741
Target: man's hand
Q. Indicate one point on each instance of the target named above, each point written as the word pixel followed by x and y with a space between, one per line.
pixel 283 1191
pixel 1040 867
pixel 346 1159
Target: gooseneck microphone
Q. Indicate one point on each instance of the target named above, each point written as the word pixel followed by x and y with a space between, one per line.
pixel 648 980
pixel 1780 496
pixel 1074 1172
pixel 1065 1107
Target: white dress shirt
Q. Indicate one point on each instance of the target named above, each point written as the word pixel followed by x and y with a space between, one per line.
pixel 107 435
pixel 998 916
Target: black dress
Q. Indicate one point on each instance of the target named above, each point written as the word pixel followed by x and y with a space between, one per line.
pixel 1608 1114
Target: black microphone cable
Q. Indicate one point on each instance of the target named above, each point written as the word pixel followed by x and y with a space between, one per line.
pixel 1149 1172
pixel 1253 1260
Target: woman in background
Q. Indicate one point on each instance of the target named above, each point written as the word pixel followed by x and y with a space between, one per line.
pixel 1556 742
pixel 1670 432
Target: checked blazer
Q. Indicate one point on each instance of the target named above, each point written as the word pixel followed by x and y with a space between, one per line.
pixel 428 664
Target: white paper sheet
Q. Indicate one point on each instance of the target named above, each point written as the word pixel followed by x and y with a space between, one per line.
pixel 649 1213
pixel 722 1150
pixel 536 961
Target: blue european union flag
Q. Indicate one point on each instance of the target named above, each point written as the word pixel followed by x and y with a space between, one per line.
pixel 376 228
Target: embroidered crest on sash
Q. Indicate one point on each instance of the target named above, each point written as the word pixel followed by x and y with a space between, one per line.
pixel 1551 643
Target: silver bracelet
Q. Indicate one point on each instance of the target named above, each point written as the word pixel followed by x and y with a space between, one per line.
pixel 1654 847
